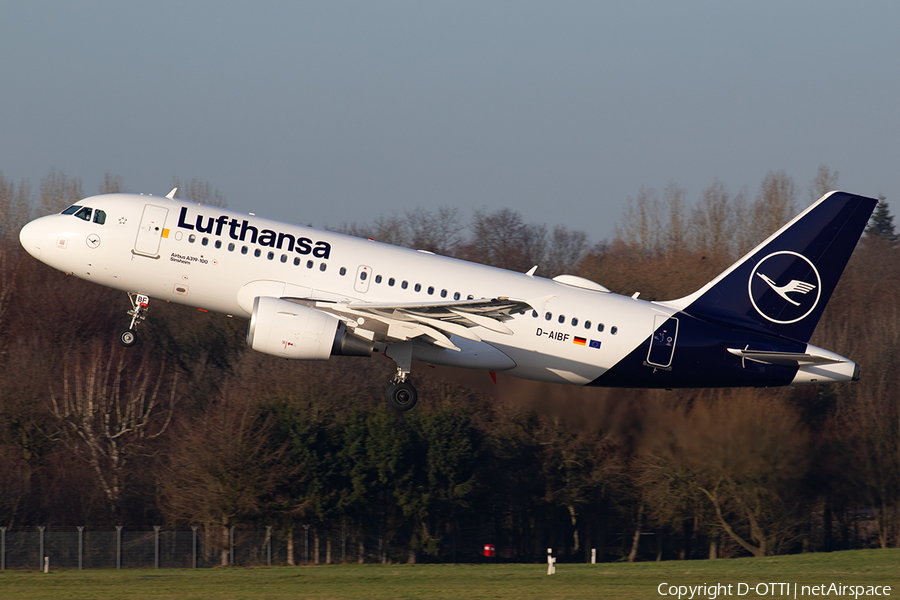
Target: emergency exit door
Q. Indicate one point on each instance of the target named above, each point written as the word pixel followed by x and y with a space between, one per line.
pixel 150 232
pixel 363 277
pixel 662 344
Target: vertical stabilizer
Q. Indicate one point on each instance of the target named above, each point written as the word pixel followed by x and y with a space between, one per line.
pixel 782 286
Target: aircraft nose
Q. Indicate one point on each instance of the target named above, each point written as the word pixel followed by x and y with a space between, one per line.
pixel 31 239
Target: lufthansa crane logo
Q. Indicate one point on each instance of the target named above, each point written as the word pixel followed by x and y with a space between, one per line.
pixel 785 287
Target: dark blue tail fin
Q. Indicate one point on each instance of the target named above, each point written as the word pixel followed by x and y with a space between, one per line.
pixel 782 285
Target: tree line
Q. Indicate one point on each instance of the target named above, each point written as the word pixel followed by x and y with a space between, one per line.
pixel 191 427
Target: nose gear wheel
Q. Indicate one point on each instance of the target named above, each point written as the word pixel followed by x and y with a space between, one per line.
pixel 139 303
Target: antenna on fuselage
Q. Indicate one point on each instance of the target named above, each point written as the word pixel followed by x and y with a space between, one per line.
pixel 171 195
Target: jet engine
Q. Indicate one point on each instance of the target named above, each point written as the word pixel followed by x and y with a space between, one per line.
pixel 291 330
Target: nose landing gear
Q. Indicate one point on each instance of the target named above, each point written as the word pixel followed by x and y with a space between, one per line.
pixel 139 302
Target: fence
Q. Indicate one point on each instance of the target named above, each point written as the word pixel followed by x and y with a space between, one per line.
pixel 199 547
pixel 76 548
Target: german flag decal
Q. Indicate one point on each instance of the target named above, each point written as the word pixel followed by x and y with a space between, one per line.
pixel 580 341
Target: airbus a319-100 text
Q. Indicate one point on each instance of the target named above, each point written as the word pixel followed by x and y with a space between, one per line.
pixel 311 294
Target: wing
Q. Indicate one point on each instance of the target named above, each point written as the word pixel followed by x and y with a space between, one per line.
pixel 433 322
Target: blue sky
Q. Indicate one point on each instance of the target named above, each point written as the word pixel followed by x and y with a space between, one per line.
pixel 332 112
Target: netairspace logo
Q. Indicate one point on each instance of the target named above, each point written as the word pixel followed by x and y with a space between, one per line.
pixel 782 590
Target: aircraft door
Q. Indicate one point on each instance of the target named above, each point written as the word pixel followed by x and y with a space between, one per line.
pixel 363 276
pixel 662 344
pixel 151 231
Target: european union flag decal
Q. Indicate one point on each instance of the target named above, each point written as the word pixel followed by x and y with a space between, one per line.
pixel 595 343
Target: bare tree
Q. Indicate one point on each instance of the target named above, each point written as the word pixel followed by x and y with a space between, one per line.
pixel 713 223
pixel 58 191
pixel 15 207
pixel 825 181
pixel 533 246
pixel 775 205
pixel 109 408
pixel 112 184
pixel 15 473
pixel 496 236
pixel 745 453
pixel 439 232
pixel 675 234
pixel 9 266
pixel 386 229
pixel 642 228
pixel 220 468
pixel 202 192
pixel 565 251
pixel 503 239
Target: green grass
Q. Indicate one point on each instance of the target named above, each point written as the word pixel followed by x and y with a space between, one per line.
pixel 620 580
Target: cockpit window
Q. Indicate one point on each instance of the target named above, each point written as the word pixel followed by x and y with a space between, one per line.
pixel 84 214
pixel 71 210
pixel 99 217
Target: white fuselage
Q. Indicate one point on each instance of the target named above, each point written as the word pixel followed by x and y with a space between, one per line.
pixel 575 331
pixel 153 245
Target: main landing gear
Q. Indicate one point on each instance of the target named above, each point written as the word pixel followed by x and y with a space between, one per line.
pixel 139 302
pixel 400 394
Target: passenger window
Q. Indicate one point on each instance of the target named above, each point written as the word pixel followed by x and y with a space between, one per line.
pixel 257 253
pixel 231 247
pixel 574 321
pixel 562 318
pixel 587 324
pixel 323 266
pixel 418 287
pixel 614 330
pixel 378 279
pixel 84 214
pixel 363 275
pixel 534 314
pixel 343 270
pixel 600 327
pixel 270 255
pixel 218 244
pixel 205 241
pixel 443 293
pixel 404 285
pixel 456 295
pixel 284 258
pixel 99 217
pixel 309 264
pixel 297 263
pixel 391 282
pixel 430 290
pixel 243 249
pixel 548 316
pixel 192 238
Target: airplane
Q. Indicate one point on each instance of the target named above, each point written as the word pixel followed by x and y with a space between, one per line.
pixel 310 294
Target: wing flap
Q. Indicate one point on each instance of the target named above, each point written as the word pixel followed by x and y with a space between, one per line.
pixel 435 320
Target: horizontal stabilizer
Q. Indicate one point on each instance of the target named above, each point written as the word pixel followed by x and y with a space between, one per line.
pixel 784 359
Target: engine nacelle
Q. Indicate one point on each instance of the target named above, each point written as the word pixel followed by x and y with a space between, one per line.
pixel 291 330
